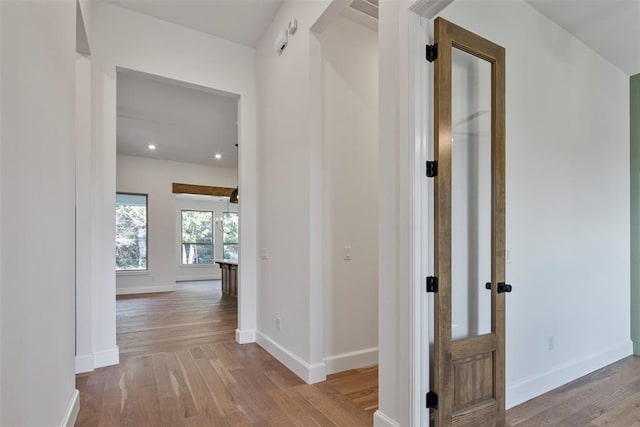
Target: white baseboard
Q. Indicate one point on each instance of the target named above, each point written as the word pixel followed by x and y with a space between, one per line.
pixel 245 336
pixel 351 360
pixel 85 363
pixel 309 373
pixel 107 357
pixel 198 278
pixel 146 289
pixel 99 359
pixel 536 385
pixel 381 420
pixel 71 414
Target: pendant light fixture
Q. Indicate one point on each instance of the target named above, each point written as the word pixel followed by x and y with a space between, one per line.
pixel 233 198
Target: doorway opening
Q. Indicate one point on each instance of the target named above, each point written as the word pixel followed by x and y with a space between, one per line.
pixel 171 243
pixel 348 45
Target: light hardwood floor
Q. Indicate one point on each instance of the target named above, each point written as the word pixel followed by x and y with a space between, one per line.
pixel 607 397
pixel 180 366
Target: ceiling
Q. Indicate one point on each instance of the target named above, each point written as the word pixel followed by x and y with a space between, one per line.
pixel 191 124
pixel 187 123
pixel 610 27
pixel 239 21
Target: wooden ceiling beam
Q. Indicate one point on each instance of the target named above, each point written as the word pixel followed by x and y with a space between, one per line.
pixel 204 190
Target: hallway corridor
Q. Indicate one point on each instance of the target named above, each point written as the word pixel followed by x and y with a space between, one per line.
pixel 180 366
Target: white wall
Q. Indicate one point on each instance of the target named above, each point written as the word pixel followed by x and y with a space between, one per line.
pixel 394 223
pixel 122 38
pixel 84 262
pixel 290 153
pixel 567 227
pixel 37 212
pixel 155 177
pixel 350 160
pixel 1 202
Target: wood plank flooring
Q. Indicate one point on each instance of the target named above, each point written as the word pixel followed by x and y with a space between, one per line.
pixel 607 397
pixel 180 366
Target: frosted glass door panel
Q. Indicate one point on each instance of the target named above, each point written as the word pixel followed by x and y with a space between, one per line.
pixel 470 195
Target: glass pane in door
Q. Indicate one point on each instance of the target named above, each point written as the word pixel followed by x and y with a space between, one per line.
pixel 470 195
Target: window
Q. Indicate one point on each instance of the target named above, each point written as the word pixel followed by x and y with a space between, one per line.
pixel 197 237
pixel 230 237
pixel 131 231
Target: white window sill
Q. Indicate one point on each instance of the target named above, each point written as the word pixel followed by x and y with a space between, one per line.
pixel 198 265
pixel 132 272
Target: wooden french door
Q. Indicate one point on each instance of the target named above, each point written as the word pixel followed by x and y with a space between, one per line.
pixel 469 320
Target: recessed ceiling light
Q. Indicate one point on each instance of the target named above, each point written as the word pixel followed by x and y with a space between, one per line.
pixel 218 156
pixel 151 146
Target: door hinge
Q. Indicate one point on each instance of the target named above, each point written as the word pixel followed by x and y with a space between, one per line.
pixel 432 52
pixel 432 400
pixel 432 168
pixel 432 284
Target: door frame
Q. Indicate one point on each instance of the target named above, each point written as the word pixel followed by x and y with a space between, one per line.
pixel 421 306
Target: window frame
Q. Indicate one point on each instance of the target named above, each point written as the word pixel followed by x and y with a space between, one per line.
pixel 213 238
pixel 236 244
pixel 146 236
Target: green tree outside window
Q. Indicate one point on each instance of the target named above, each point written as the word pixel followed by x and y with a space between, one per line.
pixel 197 237
pixel 230 236
pixel 131 231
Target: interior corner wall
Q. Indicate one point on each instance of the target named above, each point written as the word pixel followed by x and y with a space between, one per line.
pixel 394 224
pixel 83 235
pixel 350 164
pixel 290 160
pixel 154 178
pixel 634 91
pixel 568 227
pixel 37 179
pixel 1 241
pixel 123 38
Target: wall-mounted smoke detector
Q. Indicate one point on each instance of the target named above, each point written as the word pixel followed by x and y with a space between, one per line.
pixel 293 26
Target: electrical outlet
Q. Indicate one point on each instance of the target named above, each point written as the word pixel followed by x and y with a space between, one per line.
pixel 278 323
pixel 551 342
